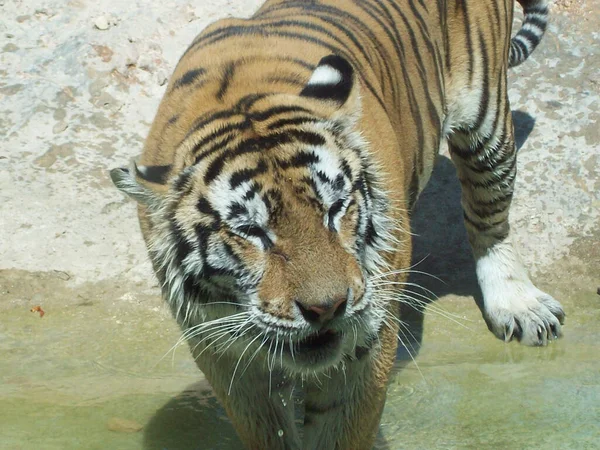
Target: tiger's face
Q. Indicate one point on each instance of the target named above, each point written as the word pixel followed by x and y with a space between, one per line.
pixel 278 235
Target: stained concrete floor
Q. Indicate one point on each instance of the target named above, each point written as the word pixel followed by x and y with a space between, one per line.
pixel 76 100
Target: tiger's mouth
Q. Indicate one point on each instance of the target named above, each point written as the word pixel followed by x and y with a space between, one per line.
pixel 322 340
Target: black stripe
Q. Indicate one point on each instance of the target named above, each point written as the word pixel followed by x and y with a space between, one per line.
pixel 522 47
pixel 346 169
pixel 239 127
pixel 333 211
pixel 277 110
pixel 300 159
pixel 209 271
pixel 542 10
pixel 433 50
pixel 533 38
pixel 216 146
pixel 183 247
pixel 361 352
pixel 205 208
pixel 486 159
pixel 236 209
pixel 192 287
pixel 296 80
pixel 338 183
pixel 371 235
pixel 232 254
pixel 254 189
pixel 273 201
pixel 323 178
pixel 248 101
pixel 467 24
pixel 182 180
pixel 490 211
pixel 444 25
pixel 202 234
pixel 226 80
pixel 485 227
pixel 485 94
pixel 258 232
pixel 239 177
pixel 205 119
pixel 504 197
pixel 293 121
pixel 422 3
pixel 188 78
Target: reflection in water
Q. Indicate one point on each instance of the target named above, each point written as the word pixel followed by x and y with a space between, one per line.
pixel 192 420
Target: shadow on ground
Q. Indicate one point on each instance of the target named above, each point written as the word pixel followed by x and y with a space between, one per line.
pixel 441 253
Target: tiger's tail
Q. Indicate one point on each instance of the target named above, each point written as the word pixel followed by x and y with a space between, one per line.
pixel 530 34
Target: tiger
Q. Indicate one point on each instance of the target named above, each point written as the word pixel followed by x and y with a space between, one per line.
pixel 275 191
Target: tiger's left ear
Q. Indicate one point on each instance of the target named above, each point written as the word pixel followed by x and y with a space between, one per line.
pixel 334 81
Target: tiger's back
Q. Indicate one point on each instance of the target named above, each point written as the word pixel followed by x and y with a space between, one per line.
pixel 416 64
pixel 401 66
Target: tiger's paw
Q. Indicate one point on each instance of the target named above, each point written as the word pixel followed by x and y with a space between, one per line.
pixel 524 313
pixel 513 307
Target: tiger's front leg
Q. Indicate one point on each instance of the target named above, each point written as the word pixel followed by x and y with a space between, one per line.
pixel 486 158
pixel 257 402
pixel 343 408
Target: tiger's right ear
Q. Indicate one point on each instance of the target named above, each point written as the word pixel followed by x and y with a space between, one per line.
pixel 136 182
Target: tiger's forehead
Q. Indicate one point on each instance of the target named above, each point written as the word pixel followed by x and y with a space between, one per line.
pixel 287 144
pixel 310 170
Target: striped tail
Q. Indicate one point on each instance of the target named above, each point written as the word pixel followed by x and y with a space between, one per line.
pixel 530 34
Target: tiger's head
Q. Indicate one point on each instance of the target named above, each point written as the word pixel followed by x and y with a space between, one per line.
pixel 271 225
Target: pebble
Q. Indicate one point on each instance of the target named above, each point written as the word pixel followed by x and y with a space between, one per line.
pixel 145 62
pixel 60 127
pixel 102 23
pixel 131 56
pixel 10 47
pixel 120 425
pixel 161 77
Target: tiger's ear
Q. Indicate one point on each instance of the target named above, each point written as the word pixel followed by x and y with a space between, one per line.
pixel 142 183
pixel 332 80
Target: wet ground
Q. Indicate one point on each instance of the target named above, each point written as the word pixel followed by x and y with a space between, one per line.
pixel 76 100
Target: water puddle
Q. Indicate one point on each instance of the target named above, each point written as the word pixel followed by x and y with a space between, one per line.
pixel 89 375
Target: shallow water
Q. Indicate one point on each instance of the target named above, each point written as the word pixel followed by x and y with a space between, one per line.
pixel 472 391
pixel 93 358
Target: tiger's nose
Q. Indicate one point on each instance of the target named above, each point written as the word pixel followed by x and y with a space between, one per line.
pixel 323 312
